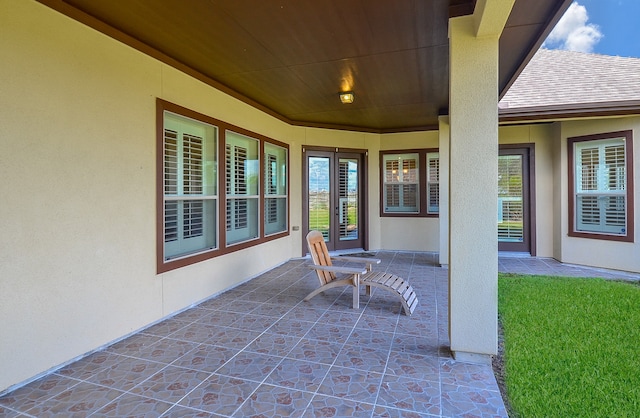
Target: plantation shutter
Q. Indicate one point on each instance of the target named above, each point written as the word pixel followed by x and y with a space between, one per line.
pixel 601 205
pixel 188 186
pixel 401 183
pixel 343 197
pixel 433 182
pixel 242 178
pixel 188 214
pixel 392 189
pixel 271 162
pixel 192 184
pixel 510 198
pixel 170 185
pixel 236 185
pixel 275 189
pixel 410 191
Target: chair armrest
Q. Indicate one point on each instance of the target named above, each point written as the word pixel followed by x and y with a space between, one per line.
pixel 368 261
pixel 339 269
pixel 358 259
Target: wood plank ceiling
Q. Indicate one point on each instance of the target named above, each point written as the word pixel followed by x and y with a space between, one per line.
pixel 291 58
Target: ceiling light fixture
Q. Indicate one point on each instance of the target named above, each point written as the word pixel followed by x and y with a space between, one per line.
pixel 347 97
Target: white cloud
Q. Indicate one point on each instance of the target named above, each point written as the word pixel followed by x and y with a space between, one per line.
pixel 572 32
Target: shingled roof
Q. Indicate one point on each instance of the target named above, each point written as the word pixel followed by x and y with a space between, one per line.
pixel 565 83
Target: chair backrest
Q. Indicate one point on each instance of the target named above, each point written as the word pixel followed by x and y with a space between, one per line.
pixel 320 255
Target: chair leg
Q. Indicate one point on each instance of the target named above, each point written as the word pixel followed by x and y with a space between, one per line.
pixel 330 285
pixel 356 291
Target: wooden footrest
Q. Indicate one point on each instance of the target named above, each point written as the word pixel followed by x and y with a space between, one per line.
pixel 394 284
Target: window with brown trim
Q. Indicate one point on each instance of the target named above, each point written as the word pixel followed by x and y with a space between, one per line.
pixel 409 183
pixel 197 157
pixel 189 187
pixel 601 186
pixel 242 171
pixel 433 183
pixel 275 189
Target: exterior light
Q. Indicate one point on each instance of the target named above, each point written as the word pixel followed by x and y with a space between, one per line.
pixel 347 97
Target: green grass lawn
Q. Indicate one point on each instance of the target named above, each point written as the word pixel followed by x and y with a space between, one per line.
pixel 319 218
pixel 572 346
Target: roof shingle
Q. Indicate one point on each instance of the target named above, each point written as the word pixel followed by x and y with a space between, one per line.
pixel 556 78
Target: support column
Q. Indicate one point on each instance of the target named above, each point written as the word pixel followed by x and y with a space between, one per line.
pixel 473 185
pixel 560 189
pixel 443 182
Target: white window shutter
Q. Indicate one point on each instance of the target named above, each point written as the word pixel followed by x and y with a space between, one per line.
pixel 401 183
pixel 433 182
pixel 600 187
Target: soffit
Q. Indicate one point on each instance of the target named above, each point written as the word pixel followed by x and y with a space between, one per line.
pixel 291 58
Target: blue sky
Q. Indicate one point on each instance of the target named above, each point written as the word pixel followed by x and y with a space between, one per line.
pixel 608 27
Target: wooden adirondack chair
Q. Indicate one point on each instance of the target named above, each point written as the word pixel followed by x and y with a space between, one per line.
pixel 355 276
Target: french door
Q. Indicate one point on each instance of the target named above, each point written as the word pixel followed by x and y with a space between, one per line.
pixel 515 199
pixel 333 191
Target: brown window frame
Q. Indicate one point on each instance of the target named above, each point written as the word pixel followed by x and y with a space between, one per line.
pixel 222 248
pixel 422 184
pixel 629 198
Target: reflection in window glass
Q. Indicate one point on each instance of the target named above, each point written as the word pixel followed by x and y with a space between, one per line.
pixel 242 176
pixel 319 199
pixel 510 199
pixel 401 180
pixel 275 190
pixel 348 199
pixel 433 182
pixel 600 181
pixel 189 183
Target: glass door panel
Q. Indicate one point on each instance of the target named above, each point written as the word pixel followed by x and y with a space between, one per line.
pixel 513 200
pixel 334 198
pixel 348 199
pixel 319 198
pixel 510 204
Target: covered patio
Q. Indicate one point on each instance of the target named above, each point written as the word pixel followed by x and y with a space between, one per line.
pixel 89 94
pixel 258 350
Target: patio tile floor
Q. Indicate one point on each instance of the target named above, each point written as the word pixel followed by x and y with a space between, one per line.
pixel 258 350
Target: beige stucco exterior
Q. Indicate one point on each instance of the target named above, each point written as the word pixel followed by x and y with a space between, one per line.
pixel 594 252
pixel 78 215
pixel 541 136
pixel 77 219
pixel 77 129
pixel 473 154
pixel 551 192
pixel 411 234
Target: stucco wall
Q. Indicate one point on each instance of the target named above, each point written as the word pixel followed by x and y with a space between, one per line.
pixel 77 234
pixel 597 252
pixel 551 168
pixel 77 219
pixel 77 229
pixel 551 194
pixel 541 135
pixel 400 233
pixel 473 188
pixel 349 140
